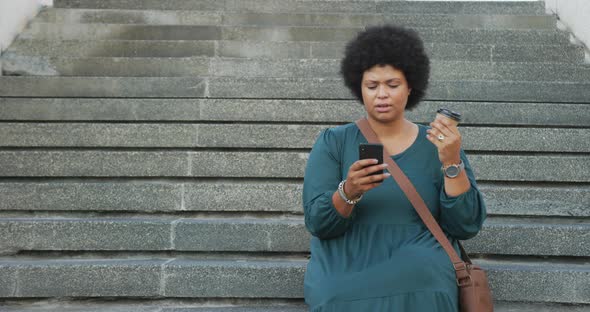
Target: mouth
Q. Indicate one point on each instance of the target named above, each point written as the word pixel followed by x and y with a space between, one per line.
pixel 382 108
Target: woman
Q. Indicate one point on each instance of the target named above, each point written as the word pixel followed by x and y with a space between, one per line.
pixel 370 251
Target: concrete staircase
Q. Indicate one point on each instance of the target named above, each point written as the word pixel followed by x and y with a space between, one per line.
pixel 152 152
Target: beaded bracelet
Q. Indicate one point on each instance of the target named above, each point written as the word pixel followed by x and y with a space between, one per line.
pixel 343 195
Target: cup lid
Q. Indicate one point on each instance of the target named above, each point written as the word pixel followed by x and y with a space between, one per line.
pixel 449 113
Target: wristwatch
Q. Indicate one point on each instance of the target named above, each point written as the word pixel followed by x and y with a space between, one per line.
pixel 453 170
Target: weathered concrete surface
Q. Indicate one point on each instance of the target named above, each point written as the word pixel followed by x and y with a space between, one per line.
pixel 285 136
pixel 287 111
pixel 76 234
pixel 193 17
pixel 46 31
pixel 545 168
pixel 255 306
pixel 477 52
pixel 258 279
pixel 236 196
pixel 226 278
pixel 83 278
pixel 312 6
pixel 499 236
pixel 441 70
pixel 281 88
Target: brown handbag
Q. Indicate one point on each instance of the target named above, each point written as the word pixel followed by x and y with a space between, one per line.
pixel 474 291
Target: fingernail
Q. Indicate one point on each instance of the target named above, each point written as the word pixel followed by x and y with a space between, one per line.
pixel 387 174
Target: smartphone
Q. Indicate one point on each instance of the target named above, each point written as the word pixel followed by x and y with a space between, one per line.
pixel 374 151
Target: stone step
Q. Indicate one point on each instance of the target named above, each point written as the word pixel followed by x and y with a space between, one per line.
pixel 524 287
pixel 130 48
pixel 286 68
pixel 102 87
pixel 159 306
pixel 541 168
pixel 281 50
pixel 184 17
pixel 498 236
pixel 285 136
pixel 51 31
pixel 13 65
pixel 287 111
pixel 283 278
pixel 152 277
pixel 440 70
pixel 525 236
pixel 280 88
pixel 253 196
pixel 498 52
pixel 287 6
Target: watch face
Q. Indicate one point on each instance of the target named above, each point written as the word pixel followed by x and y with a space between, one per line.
pixel 452 171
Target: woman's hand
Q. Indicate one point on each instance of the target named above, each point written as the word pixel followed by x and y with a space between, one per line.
pixel 359 180
pixel 449 152
pixel 449 148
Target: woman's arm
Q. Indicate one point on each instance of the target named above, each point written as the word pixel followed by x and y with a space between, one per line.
pixel 462 208
pixel 320 184
pixel 327 214
pixel 462 213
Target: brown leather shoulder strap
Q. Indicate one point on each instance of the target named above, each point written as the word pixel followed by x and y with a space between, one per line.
pixel 416 200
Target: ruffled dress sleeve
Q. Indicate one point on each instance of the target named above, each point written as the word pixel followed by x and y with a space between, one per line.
pixel 462 216
pixel 322 176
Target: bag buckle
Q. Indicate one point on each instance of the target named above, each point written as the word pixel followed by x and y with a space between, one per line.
pixel 465 282
pixel 460 266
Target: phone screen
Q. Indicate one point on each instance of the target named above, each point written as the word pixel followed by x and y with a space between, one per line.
pixel 374 151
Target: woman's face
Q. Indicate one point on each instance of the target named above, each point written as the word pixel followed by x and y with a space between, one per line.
pixel 385 93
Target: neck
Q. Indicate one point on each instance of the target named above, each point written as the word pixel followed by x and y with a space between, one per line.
pixel 390 130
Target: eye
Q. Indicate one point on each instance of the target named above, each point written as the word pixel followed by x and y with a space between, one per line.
pixel 371 87
pixel 393 86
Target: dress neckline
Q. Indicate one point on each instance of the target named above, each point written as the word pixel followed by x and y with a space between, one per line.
pixel 412 146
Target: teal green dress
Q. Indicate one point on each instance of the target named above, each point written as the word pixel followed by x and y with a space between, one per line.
pixel 382 257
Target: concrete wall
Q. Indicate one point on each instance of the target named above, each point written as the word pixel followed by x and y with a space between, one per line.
pixel 14 15
pixel 574 16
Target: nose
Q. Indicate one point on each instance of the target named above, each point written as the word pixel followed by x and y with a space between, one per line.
pixel 382 91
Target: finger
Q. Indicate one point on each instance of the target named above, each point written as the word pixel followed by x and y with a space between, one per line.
pixel 371 179
pixel 362 163
pixel 436 136
pixel 440 128
pixel 368 187
pixel 434 140
pixel 449 125
pixel 365 171
pixel 354 176
pixel 371 169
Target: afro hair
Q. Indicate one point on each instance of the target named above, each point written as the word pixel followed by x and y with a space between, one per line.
pixel 392 45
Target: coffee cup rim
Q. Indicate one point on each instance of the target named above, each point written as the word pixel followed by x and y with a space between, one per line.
pixel 449 113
